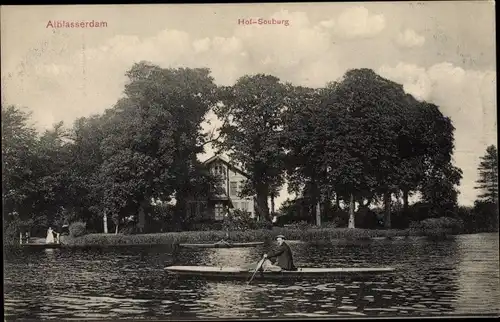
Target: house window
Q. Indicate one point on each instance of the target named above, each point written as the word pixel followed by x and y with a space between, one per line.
pixel 244 206
pixel 220 171
pixel 236 205
pixel 219 212
pixel 233 188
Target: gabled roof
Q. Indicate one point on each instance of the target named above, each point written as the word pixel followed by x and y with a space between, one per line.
pixel 227 162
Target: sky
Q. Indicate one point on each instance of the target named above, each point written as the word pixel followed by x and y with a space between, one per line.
pixel 442 52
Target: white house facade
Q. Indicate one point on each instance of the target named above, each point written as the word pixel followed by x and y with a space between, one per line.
pixel 228 197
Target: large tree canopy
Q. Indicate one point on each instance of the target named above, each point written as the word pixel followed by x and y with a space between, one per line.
pixel 364 137
pixel 252 134
pixel 154 136
pixel 359 140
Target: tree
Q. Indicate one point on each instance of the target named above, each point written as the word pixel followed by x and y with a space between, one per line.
pixel 35 171
pixel 53 174
pixel 85 189
pixel 441 177
pixel 153 136
pixel 19 191
pixel 252 132
pixel 488 176
pixel 377 109
pixel 304 144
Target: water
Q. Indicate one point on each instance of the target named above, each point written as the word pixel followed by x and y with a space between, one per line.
pixel 459 276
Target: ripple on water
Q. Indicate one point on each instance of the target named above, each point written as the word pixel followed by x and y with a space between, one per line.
pixel 442 277
pixel 355 313
pixel 89 315
pixel 128 311
pixel 310 314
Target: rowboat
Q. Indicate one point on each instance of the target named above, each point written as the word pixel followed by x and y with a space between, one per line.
pixel 222 245
pixel 242 273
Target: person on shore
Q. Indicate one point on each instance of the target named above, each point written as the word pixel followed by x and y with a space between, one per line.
pixel 50 236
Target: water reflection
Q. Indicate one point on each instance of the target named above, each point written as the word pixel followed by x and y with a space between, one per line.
pixel 432 278
pixel 478 273
pixel 231 257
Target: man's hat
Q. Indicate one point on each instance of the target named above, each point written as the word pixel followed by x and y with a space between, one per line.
pixel 280 236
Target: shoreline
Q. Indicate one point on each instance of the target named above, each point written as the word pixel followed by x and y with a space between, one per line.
pixel 294 236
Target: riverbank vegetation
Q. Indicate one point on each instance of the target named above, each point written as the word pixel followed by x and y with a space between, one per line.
pixel 354 152
pixel 317 234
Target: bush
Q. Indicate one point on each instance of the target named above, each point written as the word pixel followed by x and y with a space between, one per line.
pixel 484 217
pixel 366 218
pixel 239 220
pixel 206 226
pixel 129 230
pixel 331 224
pixel 438 226
pixel 340 218
pixel 264 224
pixel 301 225
pixel 77 229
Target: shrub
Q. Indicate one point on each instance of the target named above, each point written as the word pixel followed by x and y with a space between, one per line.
pixel 301 225
pixel 264 224
pixel 239 220
pixel 441 222
pixel 484 217
pixel 77 229
pixel 331 224
pixel 366 218
pixel 340 218
pixel 129 230
pixel 206 226
pixel 439 226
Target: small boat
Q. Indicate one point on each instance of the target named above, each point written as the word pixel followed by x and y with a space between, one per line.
pixel 42 246
pixel 222 245
pixel 241 273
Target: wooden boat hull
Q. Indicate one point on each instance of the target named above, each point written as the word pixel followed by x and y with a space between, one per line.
pixel 41 246
pixel 221 245
pixel 300 273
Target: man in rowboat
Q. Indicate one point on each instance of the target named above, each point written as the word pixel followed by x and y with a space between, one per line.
pixel 283 255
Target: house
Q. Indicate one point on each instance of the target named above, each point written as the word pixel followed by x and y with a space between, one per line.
pixel 227 197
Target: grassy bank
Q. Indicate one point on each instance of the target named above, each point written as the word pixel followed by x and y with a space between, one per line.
pixel 171 238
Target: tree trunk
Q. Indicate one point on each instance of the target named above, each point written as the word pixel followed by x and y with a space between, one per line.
pixel 337 200
pixel 405 201
pixel 387 204
pixel 116 228
pixel 181 209
pixel 327 208
pixel 262 206
pixel 105 223
pixel 351 212
pixel 141 223
pixel 272 203
pixel 318 214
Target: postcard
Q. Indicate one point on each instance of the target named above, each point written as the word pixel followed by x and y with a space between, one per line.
pixel 250 161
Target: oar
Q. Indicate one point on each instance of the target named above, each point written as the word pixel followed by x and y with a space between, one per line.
pixel 259 264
